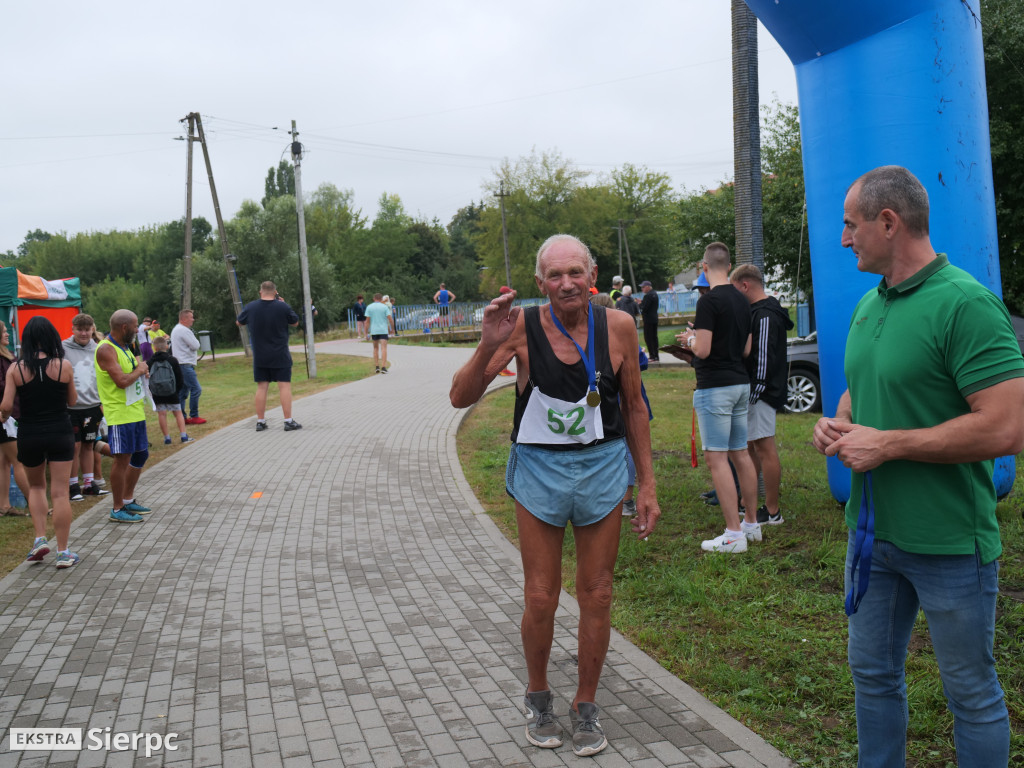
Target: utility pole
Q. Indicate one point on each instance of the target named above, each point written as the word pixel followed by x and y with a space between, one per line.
pixel 186 299
pixel 629 259
pixel 307 304
pixel 619 230
pixel 501 194
pixel 229 258
pixel 746 137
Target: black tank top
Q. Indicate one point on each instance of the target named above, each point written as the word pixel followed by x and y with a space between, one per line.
pixel 569 382
pixel 44 402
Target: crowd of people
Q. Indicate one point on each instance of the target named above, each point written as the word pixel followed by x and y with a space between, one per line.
pixel 65 404
pixel 935 392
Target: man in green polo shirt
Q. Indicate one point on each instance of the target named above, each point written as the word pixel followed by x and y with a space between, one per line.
pixel 935 393
pixel 121 384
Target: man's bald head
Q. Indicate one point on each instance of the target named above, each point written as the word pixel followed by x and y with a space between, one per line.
pixel 123 325
pixel 122 317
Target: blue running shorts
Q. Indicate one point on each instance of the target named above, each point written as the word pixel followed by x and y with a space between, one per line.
pixel 579 486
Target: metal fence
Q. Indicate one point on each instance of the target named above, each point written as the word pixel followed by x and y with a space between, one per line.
pixel 427 318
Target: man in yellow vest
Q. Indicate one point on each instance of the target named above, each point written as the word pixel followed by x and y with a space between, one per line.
pixel 120 378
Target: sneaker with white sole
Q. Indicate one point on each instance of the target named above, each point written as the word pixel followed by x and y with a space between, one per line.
pixel 629 508
pixel 542 727
pixel 67 559
pixel 731 543
pixel 75 492
pixel 587 734
pixel 752 531
pixel 40 549
pixel 764 516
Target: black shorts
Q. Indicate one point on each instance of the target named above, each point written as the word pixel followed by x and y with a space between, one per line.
pixel 85 423
pixel 271 374
pixel 4 437
pixel 34 449
pixel 379 336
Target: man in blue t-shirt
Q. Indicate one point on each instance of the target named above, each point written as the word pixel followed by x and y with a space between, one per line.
pixel 268 320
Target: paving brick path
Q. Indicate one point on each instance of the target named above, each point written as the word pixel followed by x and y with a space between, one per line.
pixel 328 597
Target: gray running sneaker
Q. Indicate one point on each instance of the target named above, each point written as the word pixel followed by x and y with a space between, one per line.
pixel 629 508
pixel 587 734
pixel 542 727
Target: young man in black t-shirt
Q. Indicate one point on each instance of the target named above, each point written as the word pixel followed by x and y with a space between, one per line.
pixel 721 339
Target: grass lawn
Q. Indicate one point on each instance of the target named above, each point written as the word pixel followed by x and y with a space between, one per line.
pixel 762 635
pixel 227 397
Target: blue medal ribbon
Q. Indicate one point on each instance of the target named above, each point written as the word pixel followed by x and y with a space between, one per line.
pixel 863 544
pixel 131 357
pixel 589 360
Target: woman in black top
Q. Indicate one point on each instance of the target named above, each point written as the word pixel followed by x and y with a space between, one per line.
pixel 45 385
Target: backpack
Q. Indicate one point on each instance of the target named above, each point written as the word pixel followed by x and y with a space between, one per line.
pixel 161 379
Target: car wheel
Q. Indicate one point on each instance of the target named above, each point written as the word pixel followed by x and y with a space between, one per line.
pixel 803 392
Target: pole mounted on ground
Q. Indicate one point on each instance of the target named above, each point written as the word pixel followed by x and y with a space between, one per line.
pixel 746 138
pixel 501 194
pixel 307 304
pixel 186 298
pixel 229 258
pixel 623 240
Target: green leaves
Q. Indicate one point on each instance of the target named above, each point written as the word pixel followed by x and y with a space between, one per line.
pixel 708 215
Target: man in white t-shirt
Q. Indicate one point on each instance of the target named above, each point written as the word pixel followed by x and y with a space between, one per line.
pixel 186 346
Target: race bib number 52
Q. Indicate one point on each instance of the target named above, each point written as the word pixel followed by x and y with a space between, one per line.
pixel 571 422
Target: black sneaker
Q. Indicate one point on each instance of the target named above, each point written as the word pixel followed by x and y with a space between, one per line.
pixel 763 516
pixel 383 370
pixel 94 490
pixel 710 497
pixel 290 426
pixel 542 727
pixel 75 492
pixel 260 426
pixel 587 735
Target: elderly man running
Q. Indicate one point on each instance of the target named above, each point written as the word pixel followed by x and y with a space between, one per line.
pixel 578 403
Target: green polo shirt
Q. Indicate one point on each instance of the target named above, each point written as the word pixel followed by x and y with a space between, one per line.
pixel 914 353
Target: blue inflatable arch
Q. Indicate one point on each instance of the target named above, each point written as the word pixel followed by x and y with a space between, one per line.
pixel 888 82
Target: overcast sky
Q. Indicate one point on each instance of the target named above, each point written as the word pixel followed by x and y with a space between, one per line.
pixel 418 99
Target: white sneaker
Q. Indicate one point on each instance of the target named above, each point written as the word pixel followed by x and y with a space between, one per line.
pixel 733 543
pixel 752 531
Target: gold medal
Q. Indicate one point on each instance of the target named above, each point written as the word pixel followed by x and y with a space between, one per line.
pixel 593 398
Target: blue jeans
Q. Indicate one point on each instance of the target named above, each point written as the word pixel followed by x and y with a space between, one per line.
pixel 958 596
pixel 191 387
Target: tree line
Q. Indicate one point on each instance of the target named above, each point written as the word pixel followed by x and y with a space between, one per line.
pixel 407 257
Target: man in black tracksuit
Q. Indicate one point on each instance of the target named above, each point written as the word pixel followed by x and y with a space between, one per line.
pixel 767 368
